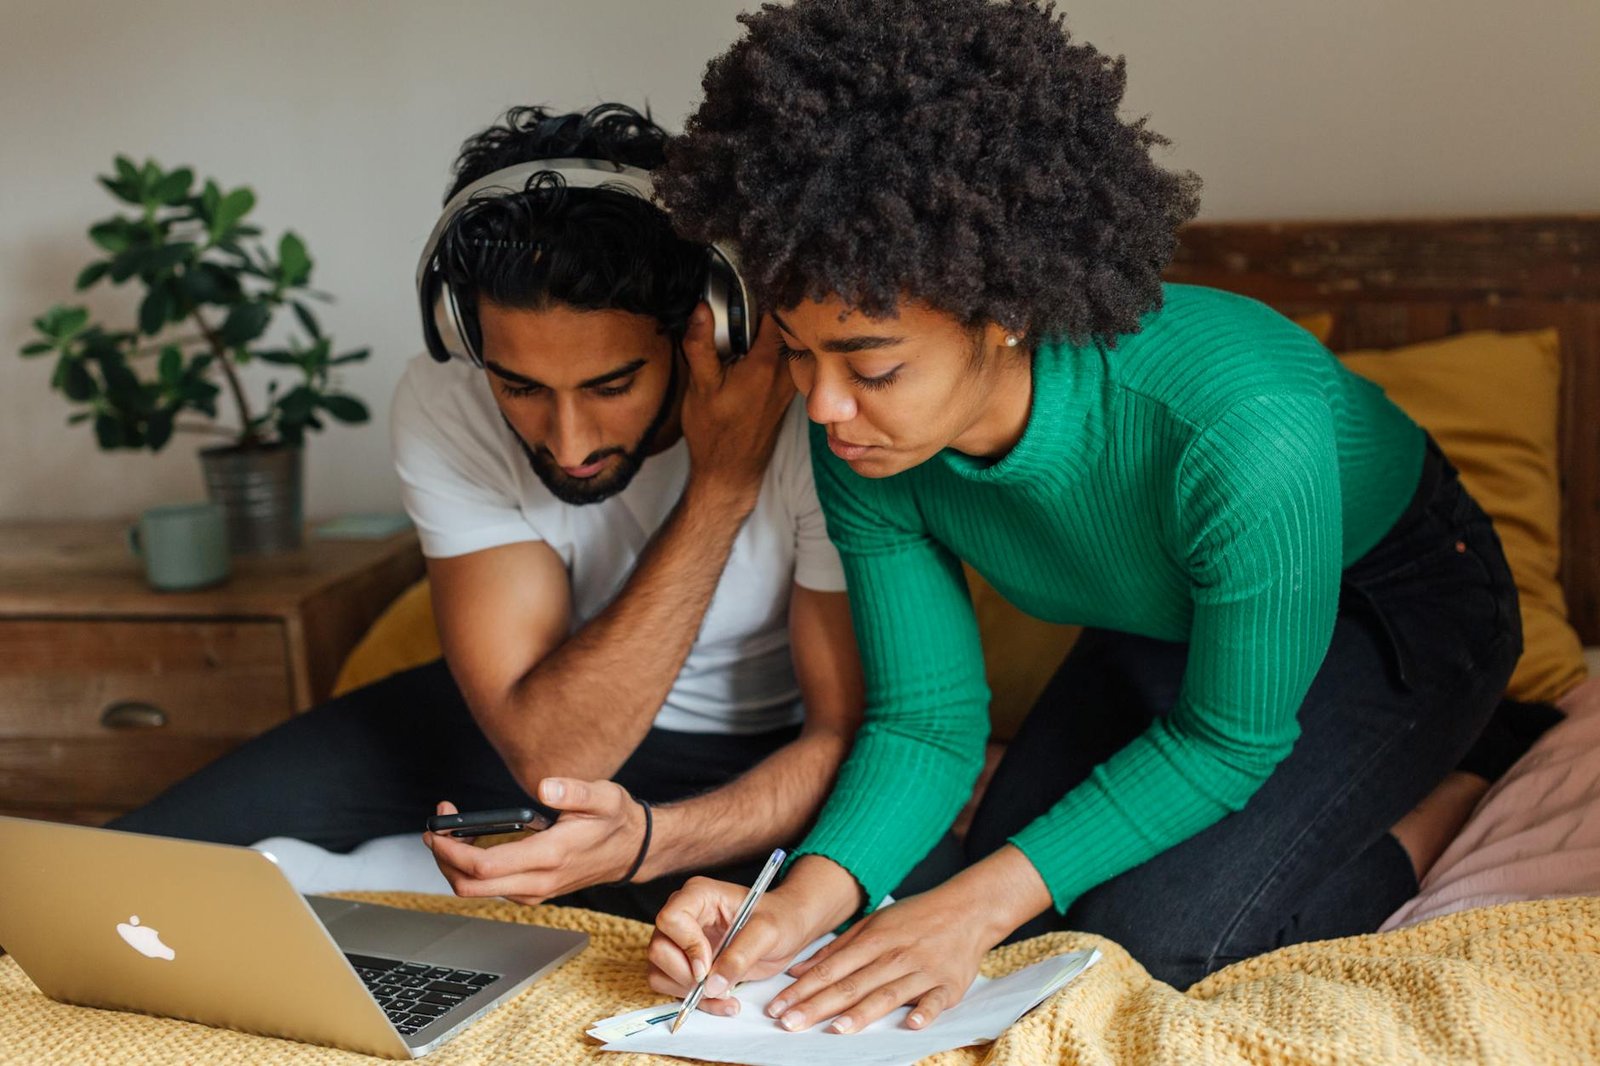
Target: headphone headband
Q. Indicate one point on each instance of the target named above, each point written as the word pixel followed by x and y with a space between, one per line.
pixel 443 324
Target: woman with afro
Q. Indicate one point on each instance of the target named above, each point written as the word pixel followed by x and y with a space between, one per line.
pixel 1298 622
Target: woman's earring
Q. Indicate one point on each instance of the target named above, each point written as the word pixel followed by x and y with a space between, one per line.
pixel 1011 340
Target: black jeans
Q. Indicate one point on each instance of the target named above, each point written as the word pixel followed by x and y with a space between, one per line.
pixel 1426 637
pixel 374 762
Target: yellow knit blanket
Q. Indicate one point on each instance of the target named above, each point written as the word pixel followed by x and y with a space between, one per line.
pixel 1513 984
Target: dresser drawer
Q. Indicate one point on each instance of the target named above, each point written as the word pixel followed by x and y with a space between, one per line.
pixel 106 713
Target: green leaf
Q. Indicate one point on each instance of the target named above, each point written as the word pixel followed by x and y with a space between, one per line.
pixel 164 258
pixel 277 356
pixel 231 209
pixel 208 283
pixel 307 319
pixel 169 368
pixel 77 383
pixel 200 394
pixel 125 265
pixel 158 430
pixel 149 177
pixel 37 348
pixel 245 323
pixel 210 200
pixel 113 234
pixel 120 189
pixel 299 401
pixel 315 357
pixel 155 310
pixel 61 322
pixel 122 385
pixel 174 188
pixel 108 431
pixel 91 274
pixel 80 417
pixel 126 171
pixel 344 408
pixel 355 356
pixel 294 264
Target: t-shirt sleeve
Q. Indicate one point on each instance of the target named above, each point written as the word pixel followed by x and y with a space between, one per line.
pixel 921 743
pixel 816 560
pixel 453 475
pixel 1260 510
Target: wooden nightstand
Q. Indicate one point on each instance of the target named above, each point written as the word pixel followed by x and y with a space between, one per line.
pixel 110 692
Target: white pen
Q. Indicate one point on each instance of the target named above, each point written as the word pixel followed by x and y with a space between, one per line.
pixel 768 872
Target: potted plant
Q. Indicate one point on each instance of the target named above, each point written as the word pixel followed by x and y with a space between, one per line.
pixel 210 291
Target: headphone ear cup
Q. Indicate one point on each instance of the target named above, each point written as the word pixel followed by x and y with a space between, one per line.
pixel 457 330
pixel 733 314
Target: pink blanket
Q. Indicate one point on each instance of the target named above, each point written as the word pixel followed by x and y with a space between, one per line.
pixel 1536 835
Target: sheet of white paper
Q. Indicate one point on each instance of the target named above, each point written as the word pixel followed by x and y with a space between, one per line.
pixel 753 1038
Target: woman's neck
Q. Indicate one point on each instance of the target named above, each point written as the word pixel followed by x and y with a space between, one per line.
pixel 1002 415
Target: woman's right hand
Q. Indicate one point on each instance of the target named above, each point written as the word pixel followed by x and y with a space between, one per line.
pixel 693 923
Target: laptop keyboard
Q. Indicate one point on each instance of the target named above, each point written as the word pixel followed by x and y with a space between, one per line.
pixel 414 994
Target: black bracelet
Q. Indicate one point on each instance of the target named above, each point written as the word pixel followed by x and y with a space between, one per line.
pixel 644 845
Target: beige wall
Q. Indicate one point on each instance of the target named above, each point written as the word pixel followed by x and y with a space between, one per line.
pixel 343 116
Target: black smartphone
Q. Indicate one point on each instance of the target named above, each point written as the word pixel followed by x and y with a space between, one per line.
pixel 488 823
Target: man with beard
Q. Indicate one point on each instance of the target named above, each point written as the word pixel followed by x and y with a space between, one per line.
pixel 643 621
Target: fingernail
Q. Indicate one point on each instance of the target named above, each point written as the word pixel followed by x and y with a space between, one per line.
pixel 733 1007
pixel 716 986
pixel 842 1025
pixel 698 968
pixel 915 1020
pixel 777 1007
pixel 554 789
pixel 791 1021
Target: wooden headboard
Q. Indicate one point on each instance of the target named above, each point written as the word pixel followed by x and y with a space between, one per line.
pixel 1395 283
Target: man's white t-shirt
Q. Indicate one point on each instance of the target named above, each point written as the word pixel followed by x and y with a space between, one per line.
pixel 468 486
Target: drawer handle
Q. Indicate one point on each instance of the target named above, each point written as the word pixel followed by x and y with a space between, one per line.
pixel 130 714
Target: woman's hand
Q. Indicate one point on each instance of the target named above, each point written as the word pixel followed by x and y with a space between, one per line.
pixel 924 950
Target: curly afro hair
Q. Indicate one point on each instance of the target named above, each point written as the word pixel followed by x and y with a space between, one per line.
pixel 962 153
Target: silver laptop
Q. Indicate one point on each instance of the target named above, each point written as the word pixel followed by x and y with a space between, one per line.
pixel 216 934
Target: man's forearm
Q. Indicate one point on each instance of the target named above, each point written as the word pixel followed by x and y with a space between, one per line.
pixel 767 806
pixel 584 707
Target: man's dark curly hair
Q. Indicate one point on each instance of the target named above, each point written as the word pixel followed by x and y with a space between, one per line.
pixel 962 153
pixel 592 249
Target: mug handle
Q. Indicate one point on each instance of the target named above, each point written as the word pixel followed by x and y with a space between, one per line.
pixel 135 543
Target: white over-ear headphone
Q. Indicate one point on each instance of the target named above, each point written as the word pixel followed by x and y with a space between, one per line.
pixel 733 314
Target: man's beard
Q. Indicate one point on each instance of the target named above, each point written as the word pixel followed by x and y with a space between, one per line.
pixel 579 491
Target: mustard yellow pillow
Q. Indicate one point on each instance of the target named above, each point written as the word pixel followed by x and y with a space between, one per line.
pixel 1491 401
pixel 403 636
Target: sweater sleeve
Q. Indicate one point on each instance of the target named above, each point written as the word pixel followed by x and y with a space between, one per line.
pixel 920 746
pixel 1257 495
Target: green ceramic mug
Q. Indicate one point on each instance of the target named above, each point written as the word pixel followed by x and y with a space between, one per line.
pixel 184 546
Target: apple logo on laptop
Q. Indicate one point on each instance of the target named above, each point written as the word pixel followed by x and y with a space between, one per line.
pixel 145 940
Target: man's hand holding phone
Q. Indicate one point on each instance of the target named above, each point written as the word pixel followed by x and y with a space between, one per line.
pixel 594 841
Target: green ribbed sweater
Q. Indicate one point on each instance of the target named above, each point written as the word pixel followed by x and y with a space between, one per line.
pixel 1206 480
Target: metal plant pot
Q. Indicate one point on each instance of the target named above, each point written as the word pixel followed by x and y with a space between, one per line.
pixel 260 488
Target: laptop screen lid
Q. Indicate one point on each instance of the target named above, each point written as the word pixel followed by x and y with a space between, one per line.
pixel 205 932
